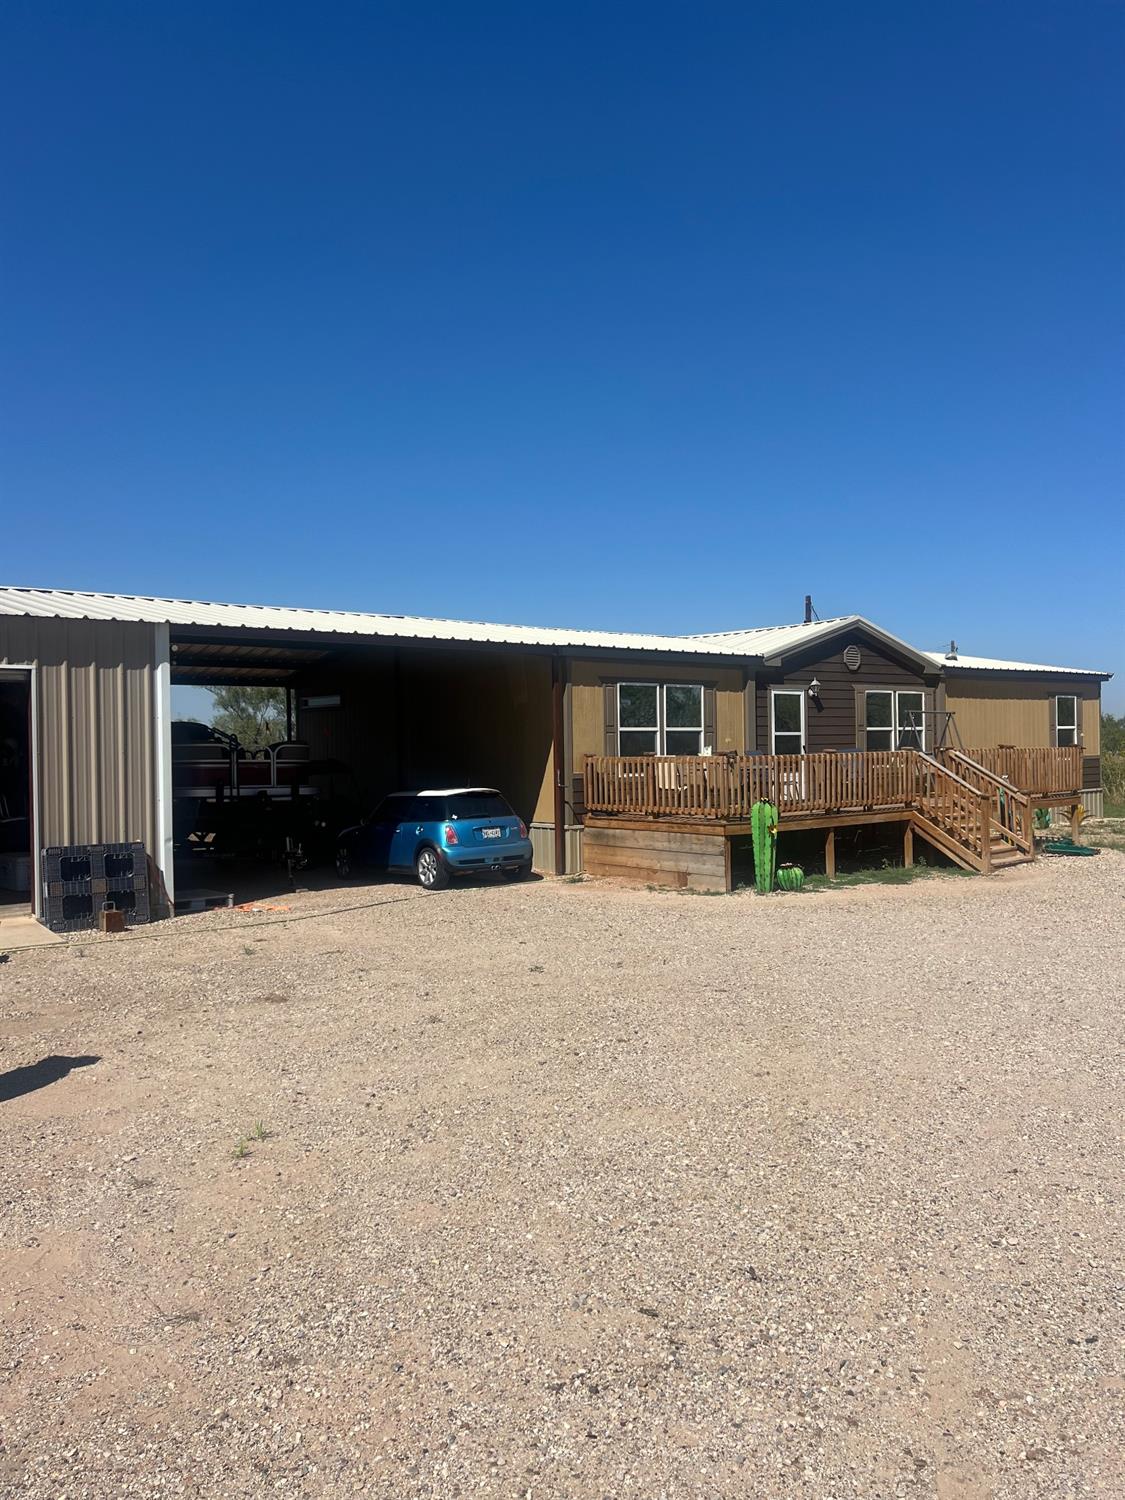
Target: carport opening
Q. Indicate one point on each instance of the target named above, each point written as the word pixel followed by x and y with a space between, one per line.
pixel 16 799
pixel 361 722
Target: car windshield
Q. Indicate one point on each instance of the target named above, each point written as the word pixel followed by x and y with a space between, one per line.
pixel 478 805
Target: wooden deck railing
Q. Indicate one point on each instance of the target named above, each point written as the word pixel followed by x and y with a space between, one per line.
pixel 721 786
pixel 1045 771
pixel 727 786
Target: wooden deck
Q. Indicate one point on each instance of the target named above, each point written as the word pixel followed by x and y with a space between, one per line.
pixel 968 804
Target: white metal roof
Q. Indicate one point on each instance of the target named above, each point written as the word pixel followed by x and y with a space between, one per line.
pixel 69 604
pixel 760 640
pixel 778 640
pixel 764 641
pixel 994 664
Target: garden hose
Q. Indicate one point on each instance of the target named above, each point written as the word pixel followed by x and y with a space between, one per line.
pixel 1068 846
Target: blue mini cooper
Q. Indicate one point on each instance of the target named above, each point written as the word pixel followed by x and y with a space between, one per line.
pixel 438 834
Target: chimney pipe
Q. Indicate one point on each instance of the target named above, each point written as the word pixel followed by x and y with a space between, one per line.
pixel 808 609
pixel 951 654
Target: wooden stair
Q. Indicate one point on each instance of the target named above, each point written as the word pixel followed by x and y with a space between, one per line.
pixel 1001 854
pixel 1004 854
pixel 969 813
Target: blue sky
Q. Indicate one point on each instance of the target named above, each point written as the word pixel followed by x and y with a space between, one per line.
pixel 646 316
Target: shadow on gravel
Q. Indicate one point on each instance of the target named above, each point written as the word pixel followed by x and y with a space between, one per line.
pixel 19 1081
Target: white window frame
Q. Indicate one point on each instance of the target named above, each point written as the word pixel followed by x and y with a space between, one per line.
pixel 896 725
pixel 800 693
pixel 1072 727
pixel 661 728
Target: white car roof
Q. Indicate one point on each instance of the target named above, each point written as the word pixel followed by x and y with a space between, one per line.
pixel 449 791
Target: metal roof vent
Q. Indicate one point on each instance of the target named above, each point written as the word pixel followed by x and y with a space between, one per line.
pixel 951 654
pixel 852 659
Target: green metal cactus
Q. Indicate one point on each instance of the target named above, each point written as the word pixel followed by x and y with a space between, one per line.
pixel 790 877
pixel 763 825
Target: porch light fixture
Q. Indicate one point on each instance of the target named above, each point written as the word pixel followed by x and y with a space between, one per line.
pixel 814 689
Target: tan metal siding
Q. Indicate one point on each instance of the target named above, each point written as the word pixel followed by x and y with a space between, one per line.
pixel 1018 713
pixel 588 711
pixel 94 707
pixel 587 716
pixel 1092 725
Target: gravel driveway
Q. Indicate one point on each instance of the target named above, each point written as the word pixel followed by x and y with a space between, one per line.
pixel 571 1190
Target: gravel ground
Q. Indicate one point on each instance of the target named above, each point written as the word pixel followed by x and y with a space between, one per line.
pixel 574 1190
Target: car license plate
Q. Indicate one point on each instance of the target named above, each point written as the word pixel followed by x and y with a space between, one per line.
pixel 491 833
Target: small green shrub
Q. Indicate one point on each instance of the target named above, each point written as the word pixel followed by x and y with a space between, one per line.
pixel 1113 777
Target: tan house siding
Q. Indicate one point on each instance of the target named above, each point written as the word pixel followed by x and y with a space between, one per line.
pixel 94 715
pixel 588 679
pixel 1017 712
pixel 1092 725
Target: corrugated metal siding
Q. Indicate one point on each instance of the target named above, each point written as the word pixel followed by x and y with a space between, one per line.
pixel 95 727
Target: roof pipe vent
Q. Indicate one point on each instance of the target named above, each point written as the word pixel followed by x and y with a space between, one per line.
pixel 951 654
pixel 808 609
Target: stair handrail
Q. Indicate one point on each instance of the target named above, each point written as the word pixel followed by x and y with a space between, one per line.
pixel 1022 838
pixel 979 839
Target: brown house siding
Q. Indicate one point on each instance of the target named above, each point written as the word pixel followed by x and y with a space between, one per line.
pixel 831 720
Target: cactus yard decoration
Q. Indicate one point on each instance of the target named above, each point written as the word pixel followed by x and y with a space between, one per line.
pixel 790 877
pixel 763 824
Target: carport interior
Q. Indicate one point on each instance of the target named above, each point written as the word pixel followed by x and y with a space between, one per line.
pixel 367 718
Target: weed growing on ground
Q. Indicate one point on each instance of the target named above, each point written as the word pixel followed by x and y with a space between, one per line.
pixel 242 1150
pixel 260 1131
pixel 887 875
pixel 1106 833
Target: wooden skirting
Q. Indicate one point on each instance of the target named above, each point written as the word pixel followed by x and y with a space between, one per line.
pixel 654 854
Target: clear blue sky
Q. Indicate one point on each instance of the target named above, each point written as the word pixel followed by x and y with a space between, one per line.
pixel 634 316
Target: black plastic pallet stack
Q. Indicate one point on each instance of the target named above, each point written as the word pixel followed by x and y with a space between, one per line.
pixel 79 879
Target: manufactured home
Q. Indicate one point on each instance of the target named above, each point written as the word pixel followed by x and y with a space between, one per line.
pixel 627 754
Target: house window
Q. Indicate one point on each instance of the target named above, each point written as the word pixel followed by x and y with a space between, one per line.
pixel 659 720
pixel 1066 720
pixel 895 719
pixel 788 712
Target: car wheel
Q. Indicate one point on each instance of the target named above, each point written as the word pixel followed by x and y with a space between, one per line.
pixel 517 872
pixel 343 864
pixel 432 874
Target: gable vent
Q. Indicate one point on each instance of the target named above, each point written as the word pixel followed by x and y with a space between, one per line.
pixel 852 659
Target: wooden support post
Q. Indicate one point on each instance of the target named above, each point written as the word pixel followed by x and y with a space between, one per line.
pixel 984 815
pixel 830 854
pixel 558 763
pixel 908 845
